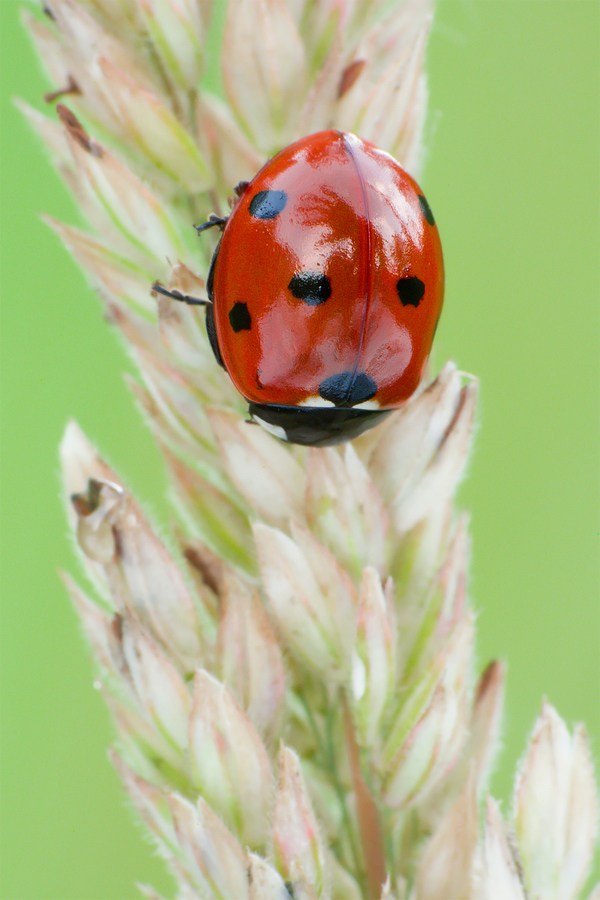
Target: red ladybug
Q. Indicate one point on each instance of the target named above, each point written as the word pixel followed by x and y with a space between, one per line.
pixel 325 289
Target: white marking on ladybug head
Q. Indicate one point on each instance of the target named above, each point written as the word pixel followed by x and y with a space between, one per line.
pixel 315 401
pixel 368 404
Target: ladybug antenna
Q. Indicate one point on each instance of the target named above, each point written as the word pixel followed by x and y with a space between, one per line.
pixel 212 222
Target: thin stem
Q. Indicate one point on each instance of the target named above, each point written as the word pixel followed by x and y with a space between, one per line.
pixel 327 753
pixel 342 791
pixel 368 816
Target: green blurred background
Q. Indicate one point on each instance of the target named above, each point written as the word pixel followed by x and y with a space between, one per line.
pixel 513 177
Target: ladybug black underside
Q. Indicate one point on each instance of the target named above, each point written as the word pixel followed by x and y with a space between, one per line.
pixel 316 426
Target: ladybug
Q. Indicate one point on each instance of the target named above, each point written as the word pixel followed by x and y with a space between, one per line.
pixel 325 289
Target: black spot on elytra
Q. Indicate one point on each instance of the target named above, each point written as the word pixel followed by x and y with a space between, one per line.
pixel 426 209
pixel 347 388
pixel 267 204
pixel 410 290
pixel 311 287
pixel 239 317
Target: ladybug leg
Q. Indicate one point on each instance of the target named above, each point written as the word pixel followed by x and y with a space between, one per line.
pixel 210 315
pixel 212 222
pixel 177 295
pixel 211 328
